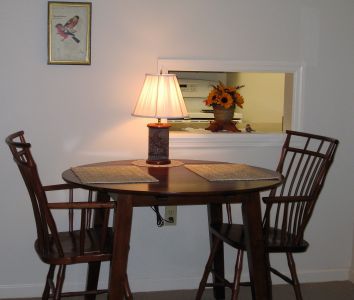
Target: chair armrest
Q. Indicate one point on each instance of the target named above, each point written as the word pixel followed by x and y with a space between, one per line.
pixel 58 187
pixel 286 199
pixel 81 205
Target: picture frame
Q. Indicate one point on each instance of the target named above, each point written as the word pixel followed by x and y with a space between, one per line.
pixel 69 33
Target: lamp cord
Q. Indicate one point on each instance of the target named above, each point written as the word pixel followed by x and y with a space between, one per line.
pixel 160 221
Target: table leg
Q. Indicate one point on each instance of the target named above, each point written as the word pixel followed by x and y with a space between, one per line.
pixel 214 217
pixel 258 259
pixel 94 267
pixel 122 229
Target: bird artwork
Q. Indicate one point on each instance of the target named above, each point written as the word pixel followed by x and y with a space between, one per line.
pixel 67 30
pixel 69 25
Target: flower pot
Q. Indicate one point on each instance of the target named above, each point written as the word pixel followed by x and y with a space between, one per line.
pixel 222 114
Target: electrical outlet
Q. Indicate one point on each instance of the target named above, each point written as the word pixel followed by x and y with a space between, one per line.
pixel 170 215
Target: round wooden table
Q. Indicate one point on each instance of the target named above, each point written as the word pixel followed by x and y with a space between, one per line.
pixel 178 185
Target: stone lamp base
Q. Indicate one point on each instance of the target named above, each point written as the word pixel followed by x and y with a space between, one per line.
pixel 158 144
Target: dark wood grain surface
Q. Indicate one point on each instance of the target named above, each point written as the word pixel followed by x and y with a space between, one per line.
pixel 175 181
pixel 179 186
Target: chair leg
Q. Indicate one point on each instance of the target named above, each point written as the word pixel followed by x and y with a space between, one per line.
pixel 60 282
pixel 292 268
pixel 50 275
pixel 207 269
pixel 269 277
pixel 93 273
pixel 237 276
pixel 127 291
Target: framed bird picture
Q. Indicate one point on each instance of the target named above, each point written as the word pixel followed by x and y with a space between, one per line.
pixel 69 33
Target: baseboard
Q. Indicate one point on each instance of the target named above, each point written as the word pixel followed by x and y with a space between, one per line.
pixel 153 284
pixel 322 275
pixel 149 284
pixel 20 290
pixel 30 290
pixel 351 275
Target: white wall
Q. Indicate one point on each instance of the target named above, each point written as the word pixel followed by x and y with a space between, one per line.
pixel 351 272
pixel 264 95
pixel 81 114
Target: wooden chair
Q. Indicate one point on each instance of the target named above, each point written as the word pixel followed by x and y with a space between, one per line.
pixel 87 239
pixel 304 163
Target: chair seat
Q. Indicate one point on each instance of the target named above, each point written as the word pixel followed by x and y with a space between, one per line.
pixel 233 235
pixel 70 242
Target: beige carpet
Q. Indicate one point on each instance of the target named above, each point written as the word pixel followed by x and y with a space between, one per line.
pixel 341 290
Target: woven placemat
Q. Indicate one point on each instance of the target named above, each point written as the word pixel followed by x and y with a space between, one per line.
pixel 112 174
pixel 223 172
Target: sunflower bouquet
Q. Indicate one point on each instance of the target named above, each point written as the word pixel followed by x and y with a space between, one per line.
pixel 225 96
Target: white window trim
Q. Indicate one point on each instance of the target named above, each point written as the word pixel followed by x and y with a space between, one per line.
pixel 186 140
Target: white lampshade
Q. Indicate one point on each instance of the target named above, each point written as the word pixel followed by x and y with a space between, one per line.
pixel 160 97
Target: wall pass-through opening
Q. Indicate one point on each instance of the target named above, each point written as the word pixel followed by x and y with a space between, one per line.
pixel 268 99
pixel 272 92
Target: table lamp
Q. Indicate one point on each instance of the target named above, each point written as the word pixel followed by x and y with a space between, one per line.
pixel 160 97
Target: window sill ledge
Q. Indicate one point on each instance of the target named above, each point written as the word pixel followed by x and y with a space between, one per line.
pixel 207 139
